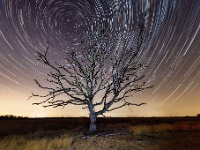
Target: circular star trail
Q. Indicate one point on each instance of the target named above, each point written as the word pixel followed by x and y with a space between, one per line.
pixel 172 50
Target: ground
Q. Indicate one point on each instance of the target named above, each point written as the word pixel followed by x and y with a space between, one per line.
pixel 113 133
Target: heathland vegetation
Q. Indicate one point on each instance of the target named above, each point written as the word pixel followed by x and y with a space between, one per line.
pixel 113 133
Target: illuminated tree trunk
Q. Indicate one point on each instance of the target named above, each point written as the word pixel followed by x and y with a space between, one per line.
pixel 93 126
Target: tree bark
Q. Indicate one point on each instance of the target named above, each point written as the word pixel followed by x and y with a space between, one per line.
pixel 93 126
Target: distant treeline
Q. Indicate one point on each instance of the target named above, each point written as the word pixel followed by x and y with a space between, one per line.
pixel 11 117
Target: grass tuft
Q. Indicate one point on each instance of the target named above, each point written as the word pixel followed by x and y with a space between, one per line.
pixel 147 129
pixel 24 143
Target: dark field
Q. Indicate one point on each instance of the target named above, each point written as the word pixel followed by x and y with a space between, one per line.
pixel 113 133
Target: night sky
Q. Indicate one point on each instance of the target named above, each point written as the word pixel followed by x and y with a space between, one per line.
pixel 172 51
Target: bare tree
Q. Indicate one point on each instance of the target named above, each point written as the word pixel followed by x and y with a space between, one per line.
pixel 101 76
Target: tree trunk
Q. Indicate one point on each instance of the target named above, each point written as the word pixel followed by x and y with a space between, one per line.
pixel 93 126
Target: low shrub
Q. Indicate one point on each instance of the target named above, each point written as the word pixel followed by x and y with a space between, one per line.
pixel 147 129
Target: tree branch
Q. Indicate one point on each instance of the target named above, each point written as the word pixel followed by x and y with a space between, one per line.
pixel 126 104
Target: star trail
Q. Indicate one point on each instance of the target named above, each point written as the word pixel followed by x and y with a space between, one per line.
pixel 172 50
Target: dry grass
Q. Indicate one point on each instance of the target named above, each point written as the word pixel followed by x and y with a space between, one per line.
pixel 147 129
pixel 119 142
pixel 26 143
pixel 164 127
